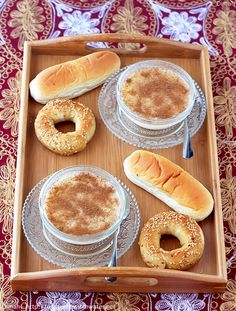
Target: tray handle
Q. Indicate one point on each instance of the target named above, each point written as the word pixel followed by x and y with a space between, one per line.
pixel 73 44
pixel 131 44
pixel 89 279
pixel 128 279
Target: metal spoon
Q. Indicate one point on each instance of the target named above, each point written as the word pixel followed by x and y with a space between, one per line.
pixel 187 147
pixel 113 260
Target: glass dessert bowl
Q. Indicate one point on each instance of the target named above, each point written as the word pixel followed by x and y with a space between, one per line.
pixel 155 94
pixel 81 208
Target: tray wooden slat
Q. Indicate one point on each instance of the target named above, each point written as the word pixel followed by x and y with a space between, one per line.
pixel 29 271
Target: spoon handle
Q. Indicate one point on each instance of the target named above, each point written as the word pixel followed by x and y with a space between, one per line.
pixel 113 260
pixel 187 147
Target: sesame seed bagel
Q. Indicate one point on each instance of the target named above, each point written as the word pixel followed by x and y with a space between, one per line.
pixel 60 110
pixel 182 227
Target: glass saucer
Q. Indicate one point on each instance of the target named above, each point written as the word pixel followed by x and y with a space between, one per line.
pixel 33 229
pixel 135 135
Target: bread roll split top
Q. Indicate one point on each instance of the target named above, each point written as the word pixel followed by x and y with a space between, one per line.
pixel 74 78
pixel 170 183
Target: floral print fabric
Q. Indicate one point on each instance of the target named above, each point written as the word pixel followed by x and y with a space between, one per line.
pixel 181 27
pixel 210 23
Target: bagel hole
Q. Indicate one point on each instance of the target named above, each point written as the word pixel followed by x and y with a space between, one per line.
pixel 169 242
pixel 65 126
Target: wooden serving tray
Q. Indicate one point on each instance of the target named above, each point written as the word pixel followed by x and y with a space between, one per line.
pixel 29 271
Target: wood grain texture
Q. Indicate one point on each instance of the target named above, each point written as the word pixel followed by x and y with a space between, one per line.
pixel 23 116
pixel 30 272
pixel 130 279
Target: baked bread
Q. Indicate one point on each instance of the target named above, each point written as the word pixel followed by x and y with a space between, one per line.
pixel 183 227
pixel 74 78
pixel 170 183
pixel 60 110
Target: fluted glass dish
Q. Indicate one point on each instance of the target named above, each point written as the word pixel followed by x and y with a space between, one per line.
pixel 119 125
pixel 73 255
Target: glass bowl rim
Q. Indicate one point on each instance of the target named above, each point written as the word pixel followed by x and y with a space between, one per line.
pixel 157 121
pixel 86 239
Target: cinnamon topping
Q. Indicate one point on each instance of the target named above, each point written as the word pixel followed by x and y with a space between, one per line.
pixel 155 93
pixel 83 204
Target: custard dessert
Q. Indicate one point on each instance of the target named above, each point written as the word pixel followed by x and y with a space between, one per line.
pixel 155 93
pixel 82 204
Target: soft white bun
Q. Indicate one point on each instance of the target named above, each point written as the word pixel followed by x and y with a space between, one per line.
pixel 170 183
pixel 74 78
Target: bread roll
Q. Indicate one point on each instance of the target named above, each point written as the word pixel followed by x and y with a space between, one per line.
pixel 60 110
pixel 74 78
pixel 170 183
pixel 184 228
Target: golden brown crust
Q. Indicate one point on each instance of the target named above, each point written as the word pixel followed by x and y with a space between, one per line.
pixel 170 183
pixel 73 78
pixel 60 110
pixel 183 227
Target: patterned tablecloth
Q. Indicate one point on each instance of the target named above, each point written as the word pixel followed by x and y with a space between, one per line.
pixel 211 23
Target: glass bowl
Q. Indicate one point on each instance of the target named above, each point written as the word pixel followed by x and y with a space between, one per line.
pixel 88 241
pixel 155 123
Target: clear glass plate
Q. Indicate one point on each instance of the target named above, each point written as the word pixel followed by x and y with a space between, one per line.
pixel 33 229
pixel 140 137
